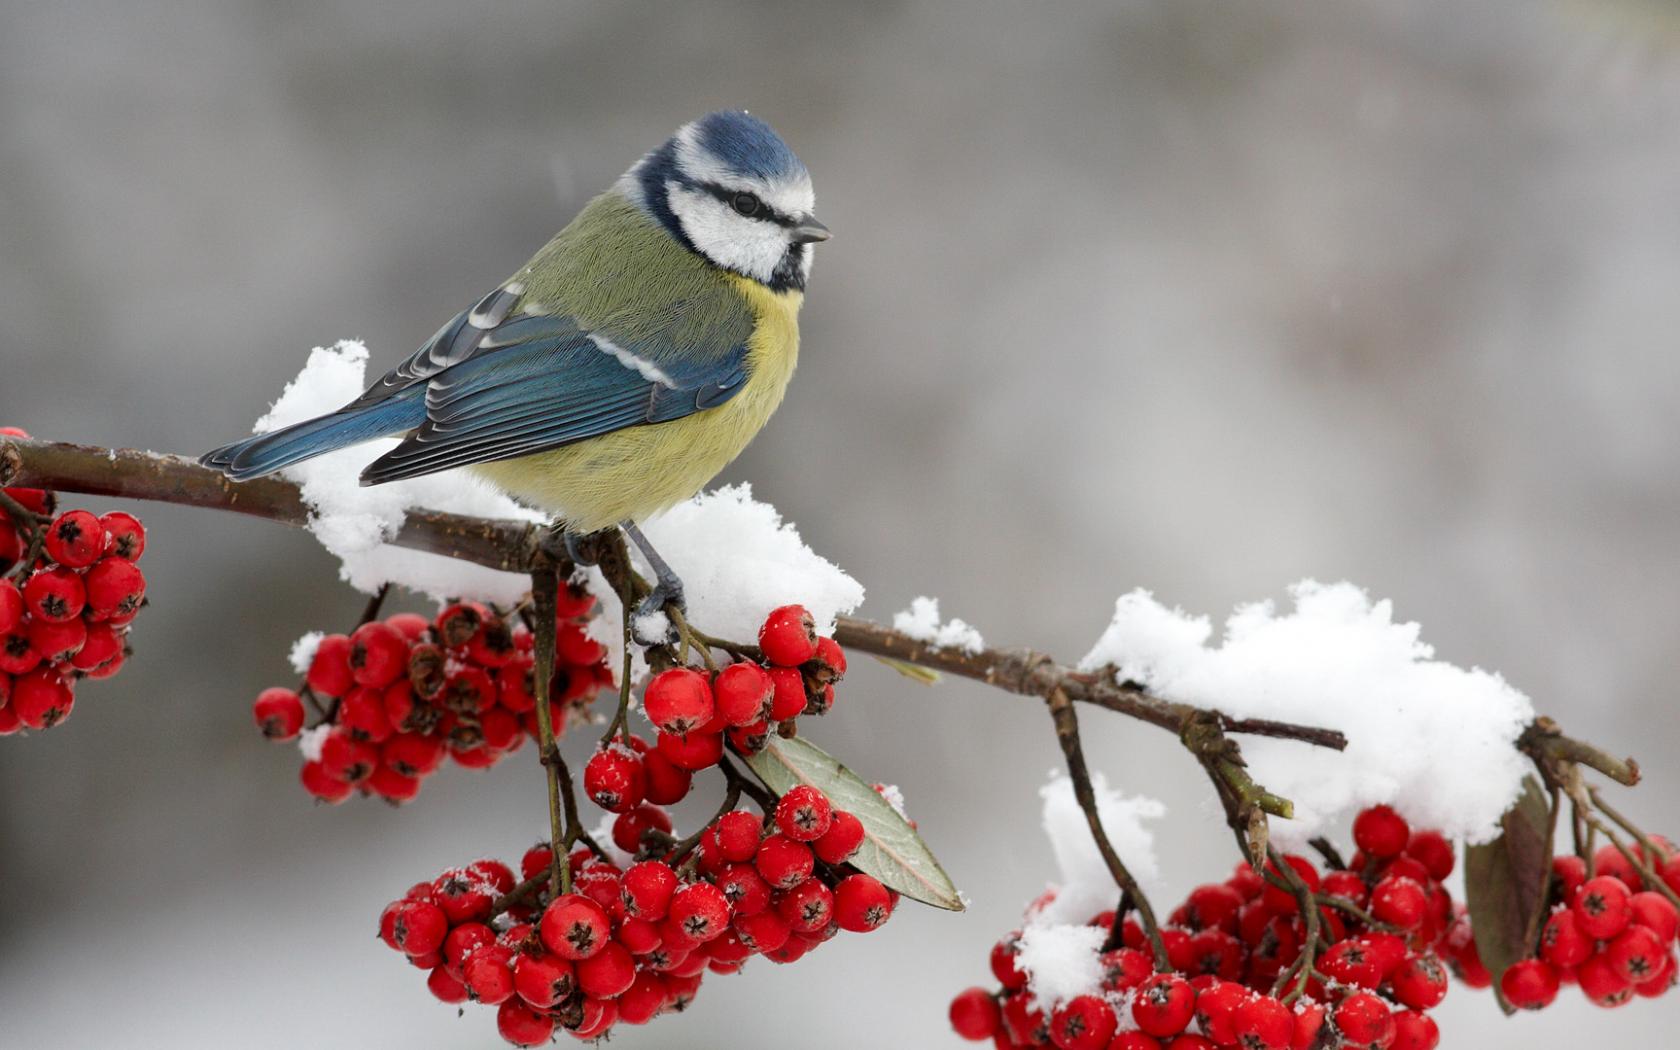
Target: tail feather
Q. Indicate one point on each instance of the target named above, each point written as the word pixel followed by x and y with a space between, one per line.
pixel 266 453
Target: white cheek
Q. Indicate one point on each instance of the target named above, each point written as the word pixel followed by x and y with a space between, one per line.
pixel 745 245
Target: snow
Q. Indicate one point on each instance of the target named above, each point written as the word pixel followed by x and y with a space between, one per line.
pixel 1060 961
pixel 921 622
pixel 894 798
pixel 355 523
pixel 1434 740
pixel 303 651
pixel 310 741
pixel 738 560
pixel 1058 950
pixel 1086 886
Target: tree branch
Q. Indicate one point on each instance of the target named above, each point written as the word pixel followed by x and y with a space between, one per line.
pixel 515 546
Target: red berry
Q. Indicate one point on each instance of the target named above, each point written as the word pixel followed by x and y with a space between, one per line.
pixel 788 700
pixel 468 690
pixel 523 1026
pixel 646 890
pixel 974 1014
pixel 115 588
pixel 842 839
pixel 329 668
pixel 1652 909
pixel 543 980
pixel 803 814
pixel 392 786
pixel 378 654
pixel 608 972
pixel 788 637
pixel 598 1016
pixel 11 604
pixel 323 785
pixel 644 999
pixel 279 713
pixel 1529 984
pixel 1414 1031
pixel 1123 968
pixel 1380 832
pixel 493 644
pixel 346 758
pixel 1216 1003
pixel 41 699
pixel 742 693
pixel 1637 953
pixel 667 783
pixel 678 701
pixel 1309 1026
pixel 807 907
pixel 57 642
pixel 1281 901
pixel 55 595
pixel 1609 861
pixel 1569 872
pixel 574 927
pixel 1012 977
pixel 783 862
pixel 763 931
pixel 1420 982
pixel 614 779
pixel 488 974
pixel 125 537
pixel 1659 983
pixel 462 941
pixel 738 834
pixel 1365 1021
pixel 701 910
pixel 1433 851
pixel 1601 907
pixel 574 646
pixel 1263 1023
pixel 75 539
pixel 1164 1005
pixel 445 986
pixel 861 903
pixel 744 887
pixel 1562 943
pixel 17 656
pixel 829 664
pixel 1352 962
pixel 1132 1039
pixel 694 752
pixel 103 645
pixel 456 624
pixel 1601 982
pixel 418 927
pixel 1399 901
pixel 628 828
pixel 1084 1022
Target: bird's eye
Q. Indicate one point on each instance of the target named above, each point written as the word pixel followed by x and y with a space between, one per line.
pixel 746 203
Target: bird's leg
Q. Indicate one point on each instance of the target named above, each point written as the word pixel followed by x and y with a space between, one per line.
pixel 668 587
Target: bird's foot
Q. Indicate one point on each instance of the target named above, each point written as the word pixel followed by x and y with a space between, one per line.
pixel 578 548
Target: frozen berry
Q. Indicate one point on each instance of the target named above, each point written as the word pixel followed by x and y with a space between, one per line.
pixel 614 779
pixel 1084 1022
pixel 742 693
pixel 1380 832
pixel 574 927
pixel 115 588
pixel 55 595
pixel 1164 1005
pixel 842 839
pixel 678 701
pixel 125 537
pixel 861 903
pixel 279 713
pixel 1601 907
pixel 75 539
pixel 803 814
pixel 1529 984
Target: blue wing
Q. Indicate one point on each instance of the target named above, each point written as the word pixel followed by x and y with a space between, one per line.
pixel 487 387
pixel 537 383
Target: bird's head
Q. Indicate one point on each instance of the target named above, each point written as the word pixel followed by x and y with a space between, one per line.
pixel 729 188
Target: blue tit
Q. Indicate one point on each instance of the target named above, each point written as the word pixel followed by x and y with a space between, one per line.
pixel 625 365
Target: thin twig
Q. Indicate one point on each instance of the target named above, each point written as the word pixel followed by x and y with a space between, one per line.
pixel 545 596
pixel 1067 734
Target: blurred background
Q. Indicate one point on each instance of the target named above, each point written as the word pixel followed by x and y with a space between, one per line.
pixel 1196 296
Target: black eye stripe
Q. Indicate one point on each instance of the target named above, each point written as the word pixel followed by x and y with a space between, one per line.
pixel 765 212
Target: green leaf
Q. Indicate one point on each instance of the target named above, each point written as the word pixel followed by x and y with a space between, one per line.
pixel 1505 883
pixel 891 850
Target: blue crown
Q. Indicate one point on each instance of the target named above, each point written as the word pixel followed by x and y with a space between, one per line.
pixel 747 145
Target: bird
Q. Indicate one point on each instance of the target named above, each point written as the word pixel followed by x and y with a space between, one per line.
pixel 620 369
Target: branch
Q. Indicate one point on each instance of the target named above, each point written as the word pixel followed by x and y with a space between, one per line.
pixel 515 546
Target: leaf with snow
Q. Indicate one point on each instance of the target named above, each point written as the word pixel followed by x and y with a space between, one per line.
pixel 1505 883
pixel 892 851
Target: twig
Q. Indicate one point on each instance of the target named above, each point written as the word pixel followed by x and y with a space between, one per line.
pixel 1327 849
pixel 1544 742
pixel 1649 849
pixel 545 597
pixel 1067 734
pixel 1301 970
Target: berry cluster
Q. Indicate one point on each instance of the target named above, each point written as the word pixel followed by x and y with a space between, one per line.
pixel 69 588
pixel 396 696
pixel 698 713
pixel 1235 950
pixel 1611 931
pixel 629 943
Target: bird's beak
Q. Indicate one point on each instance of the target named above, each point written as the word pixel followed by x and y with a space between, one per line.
pixel 809 230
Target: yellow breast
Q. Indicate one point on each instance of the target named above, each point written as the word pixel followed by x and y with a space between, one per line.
pixel 631 474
